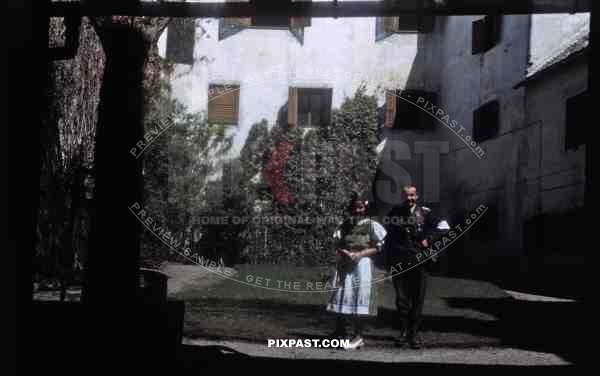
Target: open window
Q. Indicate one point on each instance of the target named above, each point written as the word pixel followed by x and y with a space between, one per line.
pixel 486 121
pixel 233 25
pixel 486 33
pixel 223 104
pixel 180 40
pixel 408 23
pixel 407 110
pixel 576 117
pixel 309 107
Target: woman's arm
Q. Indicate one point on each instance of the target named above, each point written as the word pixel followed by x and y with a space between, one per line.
pixel 367 252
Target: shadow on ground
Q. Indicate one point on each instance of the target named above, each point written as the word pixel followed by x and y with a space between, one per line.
pixel 555 327
pixel 69 339
pixel 219 358
pixel 551 327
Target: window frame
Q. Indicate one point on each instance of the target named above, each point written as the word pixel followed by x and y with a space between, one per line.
pixel 294 105
pixel 230 26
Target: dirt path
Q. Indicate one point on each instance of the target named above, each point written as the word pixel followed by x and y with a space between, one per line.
pixel 182 276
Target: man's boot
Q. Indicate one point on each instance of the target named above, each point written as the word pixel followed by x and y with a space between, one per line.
pixel 402 338
pixel 413 340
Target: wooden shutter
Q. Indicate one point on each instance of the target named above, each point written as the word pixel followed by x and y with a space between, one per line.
pixel 292 107
pixel 390 108
pixel 180 40
pixel 223 104
pixel 390 24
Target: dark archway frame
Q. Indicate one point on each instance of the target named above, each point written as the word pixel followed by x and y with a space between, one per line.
pixel 28 79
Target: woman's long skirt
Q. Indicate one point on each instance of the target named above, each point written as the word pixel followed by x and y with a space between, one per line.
pixel 355 293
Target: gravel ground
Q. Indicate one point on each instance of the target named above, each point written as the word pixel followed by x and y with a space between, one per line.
pixel 477 356
pixel 182 276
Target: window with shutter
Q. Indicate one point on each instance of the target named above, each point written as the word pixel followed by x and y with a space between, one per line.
pixel 310 107
pixel 230 26
pixel 292 107
pixel 486 33
pixel 576 115
pixel 390 108
pixel 180 40
pixel 486 121
pixel 478 36
pixel 223 104
pixel 411 110
pixel 408 23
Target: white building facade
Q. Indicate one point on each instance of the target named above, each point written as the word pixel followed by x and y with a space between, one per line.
pixel 261 60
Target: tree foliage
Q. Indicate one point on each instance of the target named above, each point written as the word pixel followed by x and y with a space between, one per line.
pixel 325 166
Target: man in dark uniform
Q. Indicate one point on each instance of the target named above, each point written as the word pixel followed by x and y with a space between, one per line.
pixel 411 229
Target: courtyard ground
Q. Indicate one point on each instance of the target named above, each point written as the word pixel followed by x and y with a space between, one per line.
pixel 465 321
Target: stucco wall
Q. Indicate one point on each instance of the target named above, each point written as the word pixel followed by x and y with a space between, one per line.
pixel 336 53
pixel 561 172
pixel 551 33
pixel 464 82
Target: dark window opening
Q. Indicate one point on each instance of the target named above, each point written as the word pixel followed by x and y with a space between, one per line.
pixel 486 33
pixel 314 107
pixel 576 115
pixel 486 121
pixel 180 40
pixel 407 23
pixel 415 110
pixel 270 21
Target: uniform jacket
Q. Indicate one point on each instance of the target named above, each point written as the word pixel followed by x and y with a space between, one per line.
pixel 406 230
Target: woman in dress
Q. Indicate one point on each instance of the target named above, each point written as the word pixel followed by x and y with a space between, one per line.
pixel 358 239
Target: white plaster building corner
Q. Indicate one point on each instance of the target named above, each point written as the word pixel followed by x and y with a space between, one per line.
pixel 555 37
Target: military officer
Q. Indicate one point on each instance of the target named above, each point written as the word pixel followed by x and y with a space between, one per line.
pixel 410 232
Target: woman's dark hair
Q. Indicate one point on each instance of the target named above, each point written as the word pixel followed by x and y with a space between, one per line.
pixel 350 220
pixel 356 196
